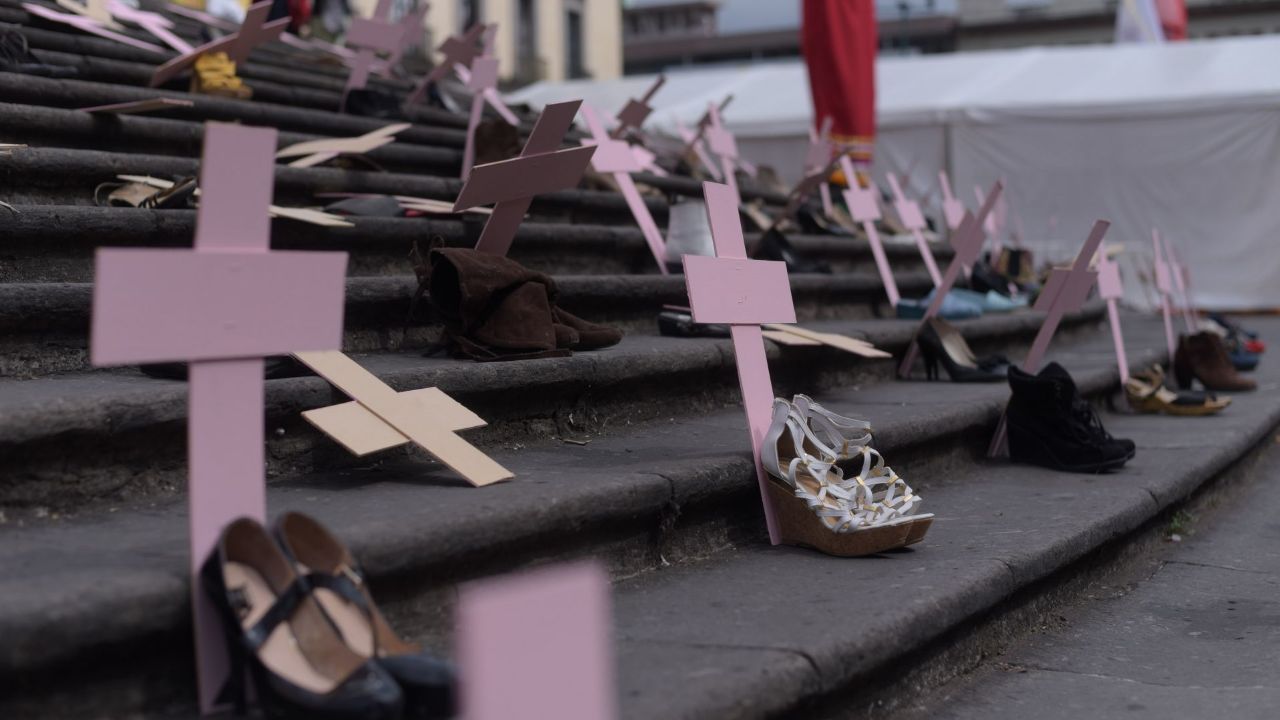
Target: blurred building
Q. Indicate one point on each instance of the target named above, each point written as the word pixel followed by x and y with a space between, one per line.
pixel 660 34
pixel 541 39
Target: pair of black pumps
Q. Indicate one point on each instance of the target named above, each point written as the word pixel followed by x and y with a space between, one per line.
pixel 301 624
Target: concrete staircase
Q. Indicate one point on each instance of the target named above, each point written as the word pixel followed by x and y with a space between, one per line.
pixel 636 455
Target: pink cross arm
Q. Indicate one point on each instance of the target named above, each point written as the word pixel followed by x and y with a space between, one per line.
pixel 89 25
pixel 255 31
pixel 1065 292
pixel 537 645
pixel 864 205
pixel 154 23
pixel 512 184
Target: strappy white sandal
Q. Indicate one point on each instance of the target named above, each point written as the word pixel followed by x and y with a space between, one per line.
pixel 812 500
pixel 885 497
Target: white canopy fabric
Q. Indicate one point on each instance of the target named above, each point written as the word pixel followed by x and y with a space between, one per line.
pixel 1180 136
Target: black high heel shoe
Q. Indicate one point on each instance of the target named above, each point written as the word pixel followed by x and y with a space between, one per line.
pixel 427 681
pixel 300 667
pixel 941 343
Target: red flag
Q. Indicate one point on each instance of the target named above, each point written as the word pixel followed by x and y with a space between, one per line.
pixel 839 41
pixel 1173 18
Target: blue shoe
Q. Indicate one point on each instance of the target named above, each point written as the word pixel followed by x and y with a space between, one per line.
pixel 991 301
pixel 953 308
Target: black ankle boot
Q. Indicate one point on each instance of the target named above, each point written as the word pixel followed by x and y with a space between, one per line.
pixel 1050 424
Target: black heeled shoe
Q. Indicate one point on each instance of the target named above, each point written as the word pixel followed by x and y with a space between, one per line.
pixel 427 681
pixel 941 343
pixel 299 665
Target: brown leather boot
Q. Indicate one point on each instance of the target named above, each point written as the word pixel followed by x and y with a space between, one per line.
pixel 1204 357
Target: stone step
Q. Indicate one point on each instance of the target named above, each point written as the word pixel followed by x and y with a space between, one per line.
pixel 56 243
pixel 277 55
pixel 710 622
pixel 46 127
pixel 56 176
pixel 123 63
pixel 69 93
pixel 128 428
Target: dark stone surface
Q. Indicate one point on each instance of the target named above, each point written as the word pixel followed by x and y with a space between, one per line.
pixel 1199 638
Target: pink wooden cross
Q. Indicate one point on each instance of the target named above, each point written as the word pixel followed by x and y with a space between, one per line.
pixel 952 209
pixel 966 240
pixel 818 157
pixel 541 167
pixel 483 84
pixel 912 219
pixel 616 158
pixel 537 646
pixel 1065 291
pixel 635 112
pixel 745 294
pixel 369 37
pixel 992 226
pixel 1111 289
pixel 1181 282
pixel 722 143
pixel 692 140
pixel 156 24
pixel 864 206
pixel 458 51
pixel 89 25
pixel 253 32
pixel 1164 285
pixel 221 307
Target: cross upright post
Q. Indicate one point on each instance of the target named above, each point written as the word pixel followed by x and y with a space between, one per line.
pixel 1065 291
pixel 743 294
pixel 912 219
pixel 221 307
pixel 616 158
pixel 864 206
pixel 966 241
pixel 1164 286
pixel 1111 289
pixel 512 184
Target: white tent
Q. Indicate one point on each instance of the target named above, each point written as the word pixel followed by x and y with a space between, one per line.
pixel 1181 136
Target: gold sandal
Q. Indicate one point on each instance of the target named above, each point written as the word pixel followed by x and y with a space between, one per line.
pixel 1147 394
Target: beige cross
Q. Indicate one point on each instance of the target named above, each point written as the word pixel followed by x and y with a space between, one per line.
pixel 380 418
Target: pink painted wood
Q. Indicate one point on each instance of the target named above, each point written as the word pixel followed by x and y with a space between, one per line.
pixel 239 302
pixel 616 158
pixel 913 220
pixel 255 31
pixel 717 288
pixel 818 157
pixel 693 141
pixel 864 206
pixel 1179 274
pixel 458 51
pixel 511 184
pixel 537 646
pixel 966 240
pixel 952 209
pixel 635 112
pixel 722 143
pixel 992 226
pixel 1111 289
pixel 1065 292
pixel 237 46
pixel 155 24
pixel 89 25
pixel 1164 287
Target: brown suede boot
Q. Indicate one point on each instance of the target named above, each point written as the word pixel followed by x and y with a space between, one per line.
pixel 1204 357
pixel 494 308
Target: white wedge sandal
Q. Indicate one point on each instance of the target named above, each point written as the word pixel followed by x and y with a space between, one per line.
pixel 814 504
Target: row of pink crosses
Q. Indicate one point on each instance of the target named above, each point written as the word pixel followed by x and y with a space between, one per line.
pixel 230 301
